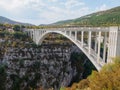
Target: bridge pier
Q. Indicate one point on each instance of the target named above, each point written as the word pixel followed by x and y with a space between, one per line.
pixel 34 36
pixel 105 46
pixel 75 35
pixel 96 42
pixel 113 43
pixel 82 39
pixel 99 42
pixel 89 42
pixel 70 33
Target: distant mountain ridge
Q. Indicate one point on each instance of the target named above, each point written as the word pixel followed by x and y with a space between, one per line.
pixel 4 20
pixel 101 18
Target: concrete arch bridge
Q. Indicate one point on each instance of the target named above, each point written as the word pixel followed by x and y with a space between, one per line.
pixel 89 40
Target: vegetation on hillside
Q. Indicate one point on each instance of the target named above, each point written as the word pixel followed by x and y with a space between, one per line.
pixel 107 79
pixel 103 18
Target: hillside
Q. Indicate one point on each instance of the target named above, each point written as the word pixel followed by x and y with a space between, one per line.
pixel 102 18
pixel 4 20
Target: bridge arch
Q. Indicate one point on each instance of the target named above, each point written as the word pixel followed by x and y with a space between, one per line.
pixel 76 42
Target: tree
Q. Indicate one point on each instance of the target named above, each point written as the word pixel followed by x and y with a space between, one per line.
pixel 16 27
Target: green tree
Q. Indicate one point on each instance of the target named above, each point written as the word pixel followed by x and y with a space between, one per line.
pixel 16 27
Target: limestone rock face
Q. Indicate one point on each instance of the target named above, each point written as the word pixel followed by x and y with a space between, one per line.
pixel 46 66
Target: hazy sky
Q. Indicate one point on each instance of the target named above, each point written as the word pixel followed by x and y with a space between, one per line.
pixel 49 11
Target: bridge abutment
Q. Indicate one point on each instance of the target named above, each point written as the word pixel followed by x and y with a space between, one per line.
pixel 113 43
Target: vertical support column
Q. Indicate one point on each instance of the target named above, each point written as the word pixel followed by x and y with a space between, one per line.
pixel 39 33
pixel 99 42
pixel 75 35
pixel 96 42
pixel 31 34
pixel 65 32
pixel 82 38
pixel 105 42
pixel 89 42
pixel 35 35
pixel 70 33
